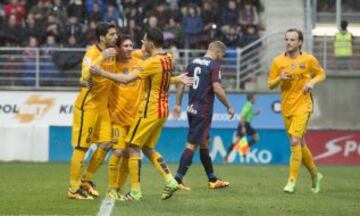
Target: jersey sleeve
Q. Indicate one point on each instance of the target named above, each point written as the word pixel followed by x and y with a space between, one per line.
pixel 316 70
pixel 216 74
pixel 148 68
pixel 89 59
pixel 273 74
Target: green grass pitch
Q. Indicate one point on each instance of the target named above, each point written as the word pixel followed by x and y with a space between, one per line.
pixel 40 189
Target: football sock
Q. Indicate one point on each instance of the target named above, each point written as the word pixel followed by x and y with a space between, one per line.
pixel 113 170
pixel 134 171
pixel 123 174
pixel 95 162
pixel 207 164
pixel 295 162
pixel 185 163
pixel 161 166
pixel 76 167
pixel 308 160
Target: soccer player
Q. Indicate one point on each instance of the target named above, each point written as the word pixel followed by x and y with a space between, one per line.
pixel 207 83
pixel 244 128
pixel 153 112
pixel 124 100
pixel 297 72
pixel 91 120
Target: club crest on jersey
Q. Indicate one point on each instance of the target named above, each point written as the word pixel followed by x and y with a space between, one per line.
pixel 87 61
pixel 293 66
pixel 302 65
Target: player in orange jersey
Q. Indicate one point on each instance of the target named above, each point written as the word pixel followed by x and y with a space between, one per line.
pixel 297 72
pixel 91 120
pixel 153 112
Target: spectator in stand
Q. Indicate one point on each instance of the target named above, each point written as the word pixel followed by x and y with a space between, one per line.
pixel 112 14
pixel 59 10
pixel 250 35
pixel 151 23
pixel 161 14
pixel 29 62
pixel 89 5
pixel 49 74
pixel 17 8
pixel 174 9
pixel 90 33
pixel 52 27
pixel 73 28
pixel 173 33
pixel 232 38
pixel 76 8
pixel 134 31
pixel 210 17
pixel 135 15
pixel 248 14
pixel 31 28
pixel 229 16
pixel 95 14
pixel 41 11
pixel 14 31
pixel 72 42
pixel 193 26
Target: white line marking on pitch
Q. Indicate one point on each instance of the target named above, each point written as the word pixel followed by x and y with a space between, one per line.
pixel 106 207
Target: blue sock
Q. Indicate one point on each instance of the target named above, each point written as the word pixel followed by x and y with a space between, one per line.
pixel 207 164
pixel 185 163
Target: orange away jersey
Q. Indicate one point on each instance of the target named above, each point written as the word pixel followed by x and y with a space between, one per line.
pixel 302 69
pixel 97 96
pixel 124 99
pixel 156 76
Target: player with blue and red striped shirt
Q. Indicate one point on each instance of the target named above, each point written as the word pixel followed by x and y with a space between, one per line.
pixel 207 83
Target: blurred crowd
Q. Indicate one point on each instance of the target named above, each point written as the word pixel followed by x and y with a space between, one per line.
pixel 347 6
pixel 186 23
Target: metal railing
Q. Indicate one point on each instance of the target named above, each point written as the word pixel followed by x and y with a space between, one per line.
pixel 39 68
pixel 324 51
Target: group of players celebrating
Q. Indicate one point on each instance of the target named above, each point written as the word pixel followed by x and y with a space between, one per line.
pixel 123 106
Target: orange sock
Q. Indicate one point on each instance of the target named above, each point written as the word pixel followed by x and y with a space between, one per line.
pixel 113 170
pixel 308 160
pixel 76 167
pixel 134 171
pixel 123 174
pixel 161 166
pixel 95 162
pixel 295 162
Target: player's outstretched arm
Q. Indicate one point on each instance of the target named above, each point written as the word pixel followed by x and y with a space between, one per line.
pixel 179 96
pixel 182 78
pixel 122 78
pixel 220 94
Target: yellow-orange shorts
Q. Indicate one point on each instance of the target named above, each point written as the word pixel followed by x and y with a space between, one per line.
pixel 90 126
pixel 145 132
pixel 296 125
pixel 119 133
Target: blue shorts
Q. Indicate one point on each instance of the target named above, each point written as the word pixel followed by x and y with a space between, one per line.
pixel 198 129
pixel 249 130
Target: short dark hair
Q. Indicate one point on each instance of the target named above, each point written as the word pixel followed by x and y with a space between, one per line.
pixel 121 38
pixel 250 96
pixel 344 25
pixel 299 33
pixel 156 36
pixel 102 29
